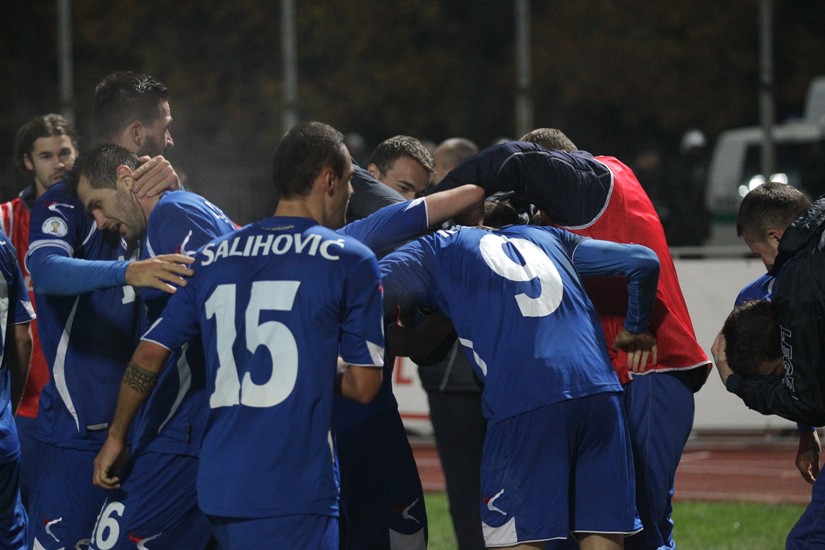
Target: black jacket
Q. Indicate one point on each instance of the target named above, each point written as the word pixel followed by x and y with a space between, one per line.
pixel 799 308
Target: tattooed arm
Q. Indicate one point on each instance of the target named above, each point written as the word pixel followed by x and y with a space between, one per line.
pixel 138 382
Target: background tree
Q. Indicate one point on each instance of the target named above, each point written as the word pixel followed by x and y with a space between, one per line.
pixel 619 77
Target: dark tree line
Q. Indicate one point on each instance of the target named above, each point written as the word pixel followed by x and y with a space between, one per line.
pixel 617 76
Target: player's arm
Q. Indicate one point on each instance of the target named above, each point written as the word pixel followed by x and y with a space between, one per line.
pixel 55 272
pixel 154 176
pixel 18 343
pixel 466 202
pixel 370 195
pixel 766 394
pixel 139 380
pixel 409 282
pixel 395 224
pixel 361 336
pixel 640 267
pixel 807 454
pixel 421 340
pixel 570 188
pixel 19 354
pixel 720 358
pixel 360 384
pixel 165 272
pixel 769 395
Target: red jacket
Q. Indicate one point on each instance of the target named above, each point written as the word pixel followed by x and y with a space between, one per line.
pixel 14 219
pixel 629 217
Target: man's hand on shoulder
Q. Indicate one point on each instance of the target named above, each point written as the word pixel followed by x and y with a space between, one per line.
pixel 160 271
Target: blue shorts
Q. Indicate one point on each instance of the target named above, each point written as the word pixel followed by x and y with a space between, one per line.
pixel 157 502
pixel 13 519
pixel 659 409
pixel 809 531
pixel 64 504
pixel 276 533
pixel 26 427
pixel 382 502
pixel 563 468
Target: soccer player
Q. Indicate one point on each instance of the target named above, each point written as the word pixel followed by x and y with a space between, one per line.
pixel 158 501
pixel 382 501
pixel 403 164
pixel 381 494
pixel 275 303
pixel 44 149
pixel 764 215
pixel 778 224
pixel 397 172
pixel 16 315
pixel 600 197
pixel 89 321
pixel 545 369
pixel 454 400
pixel 369 195
pixel 450 153
pixel 132 110
pixel 753 341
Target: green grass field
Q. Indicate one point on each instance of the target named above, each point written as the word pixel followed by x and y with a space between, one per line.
pixel 699 525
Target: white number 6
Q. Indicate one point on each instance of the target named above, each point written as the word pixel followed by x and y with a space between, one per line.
pixel 107 530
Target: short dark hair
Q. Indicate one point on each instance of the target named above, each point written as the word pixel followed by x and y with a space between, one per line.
pixel 390 150
pixel 550 138
pixel 99 167
pixel 751 337
pixel 50 125
pixel 770 205
pixel 123 97
pixel 305 150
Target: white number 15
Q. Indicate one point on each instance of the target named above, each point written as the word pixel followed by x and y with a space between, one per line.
pixel 274 336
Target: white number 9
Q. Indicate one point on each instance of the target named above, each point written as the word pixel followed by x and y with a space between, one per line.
pixel 537 265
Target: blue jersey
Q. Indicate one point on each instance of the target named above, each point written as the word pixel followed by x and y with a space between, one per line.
pixel 275 303
pixel 15 308
pixel 174 418
pixel 390 226
pixel 87 339
pixel 519 308
pixel 381 232
pixel 760 288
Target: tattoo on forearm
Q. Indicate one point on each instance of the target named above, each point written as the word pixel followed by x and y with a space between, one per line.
pixel 139 379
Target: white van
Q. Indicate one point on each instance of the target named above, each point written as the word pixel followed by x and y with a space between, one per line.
pixel 735 166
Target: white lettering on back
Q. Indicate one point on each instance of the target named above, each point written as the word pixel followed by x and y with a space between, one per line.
pixel 265 245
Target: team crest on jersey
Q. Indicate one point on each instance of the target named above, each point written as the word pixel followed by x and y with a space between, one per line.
pixel 55 226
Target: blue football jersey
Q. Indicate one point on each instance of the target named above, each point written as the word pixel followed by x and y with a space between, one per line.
pixel 275 303
pixel 381 231
pixel 390 226
pixel 87 339
pixel 174 418
pixel 519 308
pixel 15 308
pixel 760 288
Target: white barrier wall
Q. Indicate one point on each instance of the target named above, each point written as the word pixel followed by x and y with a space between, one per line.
pixel 710 286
